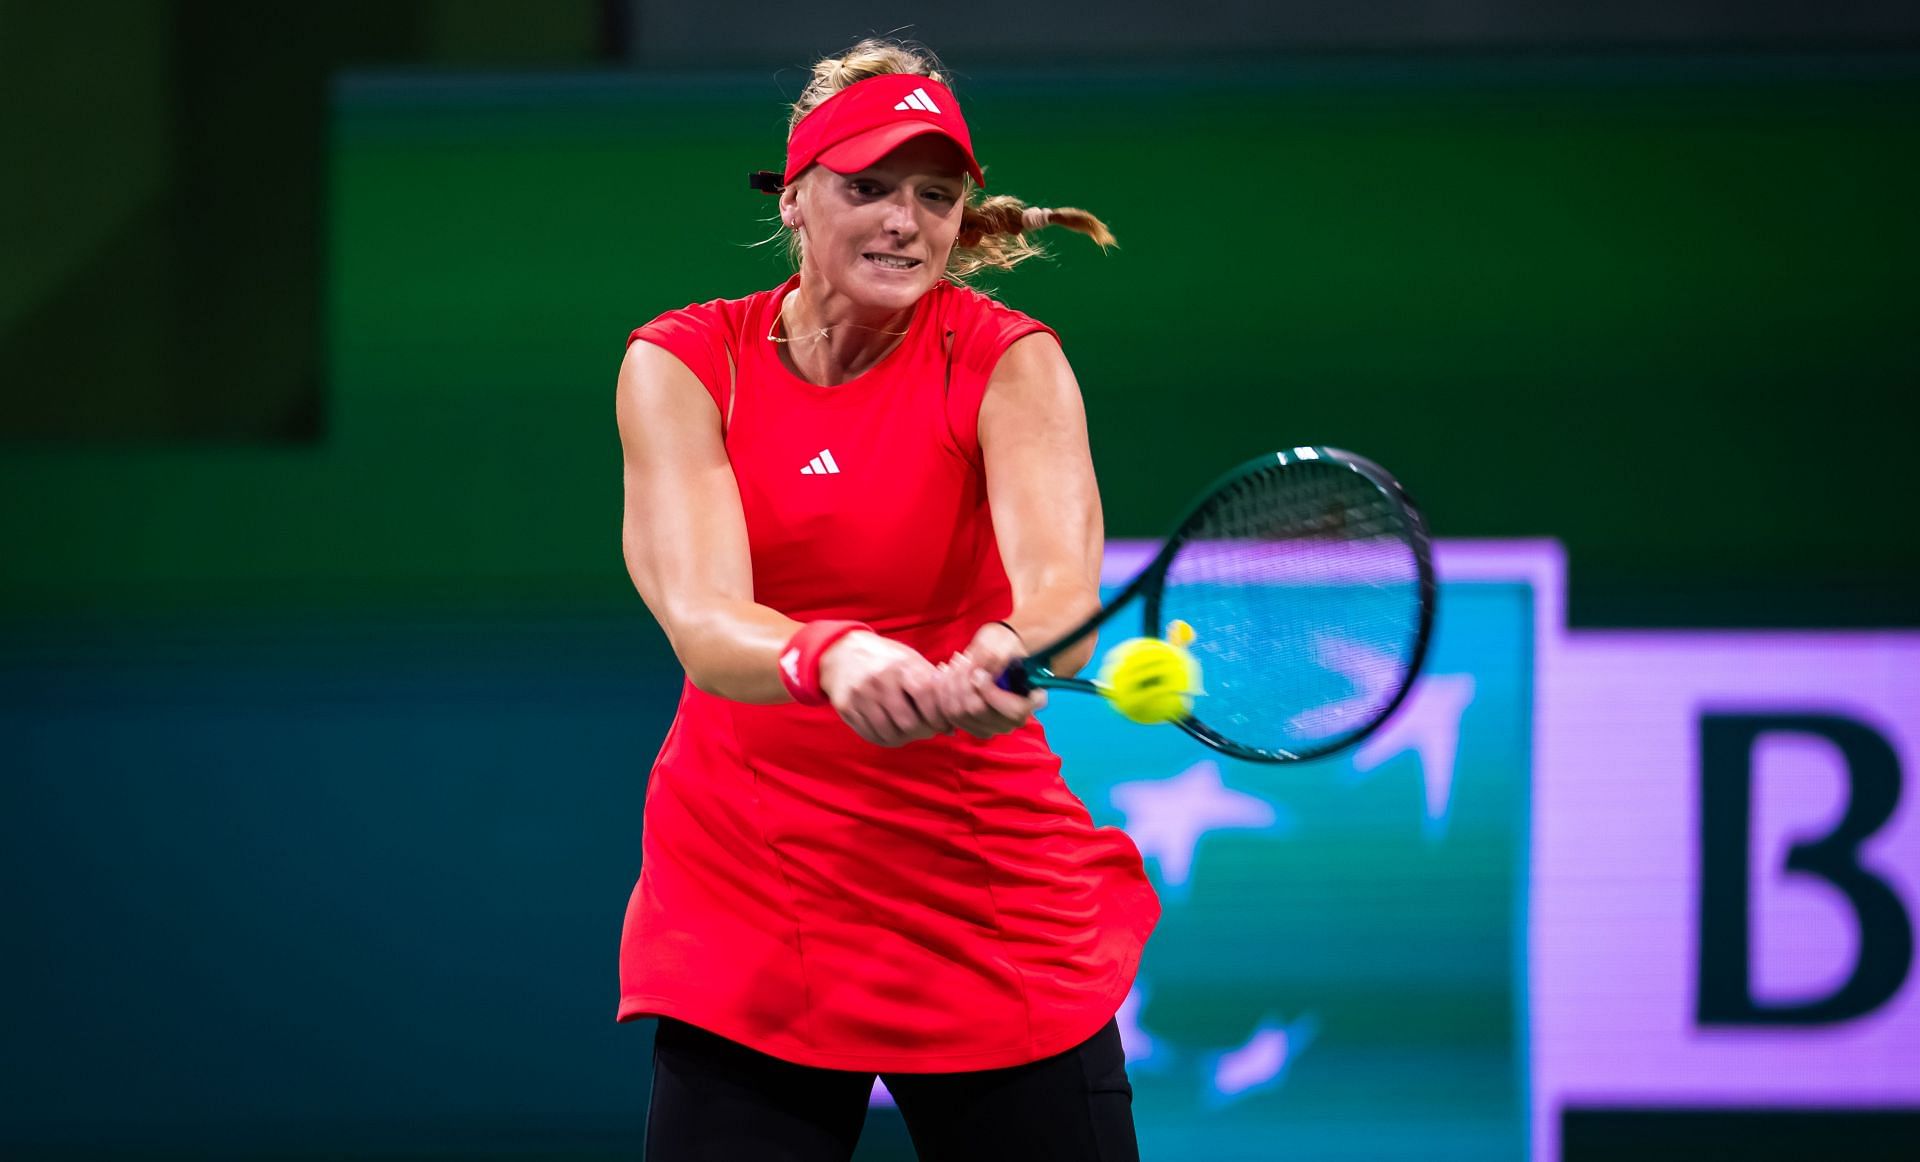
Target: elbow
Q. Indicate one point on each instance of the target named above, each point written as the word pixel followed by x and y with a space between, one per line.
pixel 1072 660
pixel 686 645
pixel 702 674
pixel 683 638
pixel 704 680
pixel 681 624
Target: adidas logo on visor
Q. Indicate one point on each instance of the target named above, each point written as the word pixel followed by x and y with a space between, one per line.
pixel 918 99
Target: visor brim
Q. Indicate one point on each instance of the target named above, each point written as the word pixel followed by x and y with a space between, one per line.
pixel 863 149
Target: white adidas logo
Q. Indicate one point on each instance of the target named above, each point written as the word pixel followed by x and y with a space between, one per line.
pixel 918 99
pixel 821 465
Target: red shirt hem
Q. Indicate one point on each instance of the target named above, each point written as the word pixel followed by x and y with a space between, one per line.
pixel 634 1007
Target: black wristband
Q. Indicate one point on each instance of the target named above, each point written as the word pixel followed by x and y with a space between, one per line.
pixel 1011 630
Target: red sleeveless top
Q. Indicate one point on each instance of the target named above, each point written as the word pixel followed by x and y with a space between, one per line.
pixel 943 906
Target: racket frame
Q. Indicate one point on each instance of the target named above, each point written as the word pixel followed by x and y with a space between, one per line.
pixel 1033 671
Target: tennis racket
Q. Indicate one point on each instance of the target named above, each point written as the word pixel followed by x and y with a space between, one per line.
pixel 1307 578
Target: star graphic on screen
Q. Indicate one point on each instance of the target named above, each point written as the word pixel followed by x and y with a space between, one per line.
pixel 1428 724
pixel 1371 673
pixel 1261 1063
pixel 1167 817
pixel 1141 1047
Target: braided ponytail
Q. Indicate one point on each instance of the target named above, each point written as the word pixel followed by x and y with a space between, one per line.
pixel 993 233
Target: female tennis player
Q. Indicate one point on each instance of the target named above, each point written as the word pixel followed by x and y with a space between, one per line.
pixel 850 501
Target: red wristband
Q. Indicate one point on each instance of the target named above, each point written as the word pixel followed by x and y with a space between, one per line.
pixel 800 659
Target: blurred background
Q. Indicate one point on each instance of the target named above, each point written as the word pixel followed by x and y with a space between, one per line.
pixel 327 705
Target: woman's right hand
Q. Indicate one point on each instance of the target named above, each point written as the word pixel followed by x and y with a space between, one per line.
pixel 884 690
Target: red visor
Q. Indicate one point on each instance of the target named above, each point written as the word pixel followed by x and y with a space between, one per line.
pixel 869 119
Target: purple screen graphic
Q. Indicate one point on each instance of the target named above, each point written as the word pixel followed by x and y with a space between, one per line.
pixel 1614 916
pixel 1617 908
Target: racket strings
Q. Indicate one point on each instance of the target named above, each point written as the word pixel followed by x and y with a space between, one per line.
pixel 1304 585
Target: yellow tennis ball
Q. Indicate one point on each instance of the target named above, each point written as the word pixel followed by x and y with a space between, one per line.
pixel 1149 680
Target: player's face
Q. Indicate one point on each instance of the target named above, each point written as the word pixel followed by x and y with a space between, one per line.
pixel 881 236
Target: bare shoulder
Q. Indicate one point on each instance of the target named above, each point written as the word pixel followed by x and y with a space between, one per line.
pixel 655 386
pixel 1034 369
pixel 649 364
pixel 1040 348
pixel 1032 404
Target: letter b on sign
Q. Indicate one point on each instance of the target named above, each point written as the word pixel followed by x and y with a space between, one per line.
pixel 1885 953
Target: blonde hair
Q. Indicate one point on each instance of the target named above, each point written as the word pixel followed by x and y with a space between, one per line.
pixel 993 230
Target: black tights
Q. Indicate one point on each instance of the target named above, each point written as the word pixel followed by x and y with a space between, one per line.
pixel 714 1099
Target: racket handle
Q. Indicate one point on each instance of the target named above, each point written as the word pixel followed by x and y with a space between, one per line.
pixel 1015 679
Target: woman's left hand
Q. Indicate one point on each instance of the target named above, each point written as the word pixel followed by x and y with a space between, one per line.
pixel 969 695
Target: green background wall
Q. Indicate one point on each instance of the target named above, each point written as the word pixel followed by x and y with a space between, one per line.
pixel 1660 310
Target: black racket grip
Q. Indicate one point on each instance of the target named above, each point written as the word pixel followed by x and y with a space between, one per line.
pixel 1015 679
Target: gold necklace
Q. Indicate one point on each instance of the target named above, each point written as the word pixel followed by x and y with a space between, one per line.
pixel 780 320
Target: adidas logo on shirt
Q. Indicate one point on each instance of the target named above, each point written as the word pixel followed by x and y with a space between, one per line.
pixel 918 99
pixel 821 465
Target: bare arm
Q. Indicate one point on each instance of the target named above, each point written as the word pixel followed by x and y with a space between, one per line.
pixel 1046 518
pixel 684 535
pixel 1045 502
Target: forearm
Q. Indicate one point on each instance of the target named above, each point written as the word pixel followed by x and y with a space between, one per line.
pixel 731 648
